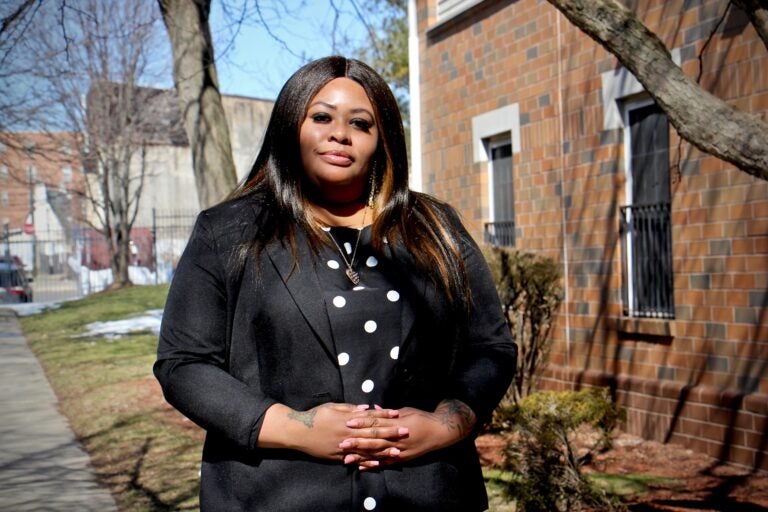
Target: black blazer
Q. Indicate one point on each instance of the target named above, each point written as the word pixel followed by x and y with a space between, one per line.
pixel 240 334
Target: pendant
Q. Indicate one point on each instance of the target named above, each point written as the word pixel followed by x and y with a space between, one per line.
pixel 353 276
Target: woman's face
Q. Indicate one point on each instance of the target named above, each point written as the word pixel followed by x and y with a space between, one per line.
pixel 337 140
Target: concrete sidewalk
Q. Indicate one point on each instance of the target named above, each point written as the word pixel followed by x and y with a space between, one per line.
pixel 42 466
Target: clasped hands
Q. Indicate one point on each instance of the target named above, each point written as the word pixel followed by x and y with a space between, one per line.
pixel 372 437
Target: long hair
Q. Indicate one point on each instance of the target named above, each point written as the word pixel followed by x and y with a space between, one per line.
pixel 422 225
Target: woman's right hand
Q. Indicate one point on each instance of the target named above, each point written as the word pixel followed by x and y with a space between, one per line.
pixel 319 431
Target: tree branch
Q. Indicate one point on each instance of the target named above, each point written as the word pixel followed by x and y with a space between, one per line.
pixel 757 12
pixel 737 137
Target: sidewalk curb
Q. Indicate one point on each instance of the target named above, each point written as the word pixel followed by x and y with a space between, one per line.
pixel 42 465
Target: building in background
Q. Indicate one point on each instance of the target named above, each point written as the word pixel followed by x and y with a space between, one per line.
pixel 47 194
pixel 546 143
pixel 40 196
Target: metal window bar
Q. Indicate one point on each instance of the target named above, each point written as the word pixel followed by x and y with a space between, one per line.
pixel 646 243
pixel 500 234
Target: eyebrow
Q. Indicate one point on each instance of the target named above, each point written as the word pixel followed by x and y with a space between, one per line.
pixel 334 107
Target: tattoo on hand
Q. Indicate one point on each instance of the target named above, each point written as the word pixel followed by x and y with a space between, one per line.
pixel 456 415
pixel 306 417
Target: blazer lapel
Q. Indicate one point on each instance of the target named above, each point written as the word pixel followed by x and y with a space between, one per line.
pixel 301 280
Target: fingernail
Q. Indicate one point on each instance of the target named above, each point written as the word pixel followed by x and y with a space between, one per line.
pixel 394 452
pixel 349 459
pixel 394 413
pixel 402 431
pixel 353 423
pixel 345 444
pixel 362 407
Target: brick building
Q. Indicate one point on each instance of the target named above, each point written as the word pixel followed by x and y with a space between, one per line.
pixel 42 184
pixel 543 141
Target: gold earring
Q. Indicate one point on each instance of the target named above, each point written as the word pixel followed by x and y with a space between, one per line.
pixel 372 192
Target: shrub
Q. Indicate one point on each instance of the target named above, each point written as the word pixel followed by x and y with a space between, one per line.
pixel 530 292
pixel 544 457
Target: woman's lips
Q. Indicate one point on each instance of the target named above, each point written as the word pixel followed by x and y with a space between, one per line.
pixel 336 158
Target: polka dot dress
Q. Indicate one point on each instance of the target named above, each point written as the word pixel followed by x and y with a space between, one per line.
pixel 366 324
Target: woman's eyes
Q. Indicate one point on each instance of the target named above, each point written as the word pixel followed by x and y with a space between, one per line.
pixel 321 118
pixel 359 123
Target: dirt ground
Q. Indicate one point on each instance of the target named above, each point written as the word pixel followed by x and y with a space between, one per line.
pixel 700 483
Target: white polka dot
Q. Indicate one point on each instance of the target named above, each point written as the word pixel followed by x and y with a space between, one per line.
pixel 394 353
pixel 339 301
pixel 367 386
pixel 333 264
pixel 384 239
pixel 325 228
pixel 369 503
pixel 371 261
pixel 393 296
pixel 343 358
pixel 370 326
pixel 348 247
pixel 358 288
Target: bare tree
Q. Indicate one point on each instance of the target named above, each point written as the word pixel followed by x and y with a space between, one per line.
pixel 740 138
pixel 80 63
pixel 197 85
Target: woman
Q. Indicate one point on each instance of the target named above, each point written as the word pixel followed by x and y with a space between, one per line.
pixel 337 335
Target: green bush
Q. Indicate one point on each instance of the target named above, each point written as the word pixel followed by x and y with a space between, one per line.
pixel 543 454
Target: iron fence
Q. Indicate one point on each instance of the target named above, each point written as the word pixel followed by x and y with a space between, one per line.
pixel 67 264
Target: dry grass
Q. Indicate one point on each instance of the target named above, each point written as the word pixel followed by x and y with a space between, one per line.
pixel 143 451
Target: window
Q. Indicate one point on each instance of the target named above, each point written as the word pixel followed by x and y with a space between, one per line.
pixel 495 138
pixel 449 8
pixel 4 172
pixel 501 229
pixel 645 221
pixel 4 199
pixel 66 175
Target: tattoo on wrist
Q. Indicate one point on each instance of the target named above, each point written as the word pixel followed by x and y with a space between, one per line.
pixel 306 417
pixel 456 415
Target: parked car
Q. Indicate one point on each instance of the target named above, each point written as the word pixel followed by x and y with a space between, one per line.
pixel 14 283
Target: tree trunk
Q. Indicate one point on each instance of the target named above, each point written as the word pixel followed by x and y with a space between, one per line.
pixel 705 121
pixel 194 72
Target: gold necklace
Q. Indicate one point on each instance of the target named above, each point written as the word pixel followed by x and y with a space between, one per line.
pixel 350 271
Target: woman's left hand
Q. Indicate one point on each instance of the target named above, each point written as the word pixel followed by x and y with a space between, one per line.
pixel 451 422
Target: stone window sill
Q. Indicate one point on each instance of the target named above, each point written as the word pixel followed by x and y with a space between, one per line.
pixel 651 327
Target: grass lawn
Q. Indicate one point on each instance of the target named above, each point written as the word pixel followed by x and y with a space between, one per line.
pixel 146 453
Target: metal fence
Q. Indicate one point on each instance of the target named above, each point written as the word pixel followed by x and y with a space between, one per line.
pixel 67 264
pixel 646 244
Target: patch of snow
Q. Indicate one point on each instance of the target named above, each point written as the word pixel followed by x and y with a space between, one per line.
pixel 32 308
pixel 149 321
pixel 92 281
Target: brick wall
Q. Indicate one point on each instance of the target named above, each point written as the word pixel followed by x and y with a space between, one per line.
pixel 569 182
pixel 48 154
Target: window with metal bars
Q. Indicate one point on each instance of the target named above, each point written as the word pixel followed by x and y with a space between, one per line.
pixel 645 224
pixel 501 230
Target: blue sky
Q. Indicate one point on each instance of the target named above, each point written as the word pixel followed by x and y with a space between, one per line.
pixel 253 62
